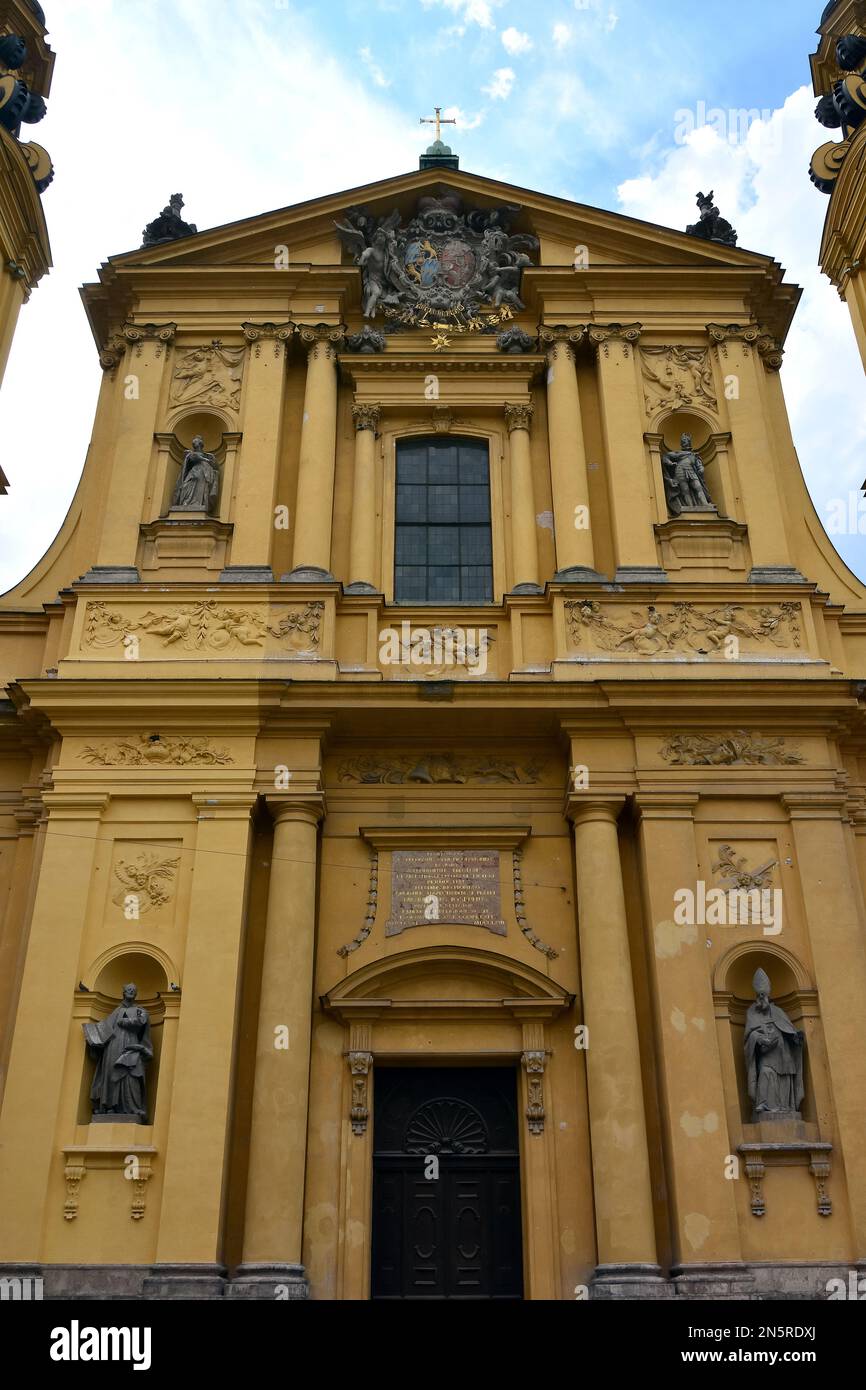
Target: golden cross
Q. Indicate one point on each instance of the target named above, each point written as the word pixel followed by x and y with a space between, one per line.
pixel 437 120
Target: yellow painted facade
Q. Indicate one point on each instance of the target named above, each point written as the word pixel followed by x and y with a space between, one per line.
pixel 199 715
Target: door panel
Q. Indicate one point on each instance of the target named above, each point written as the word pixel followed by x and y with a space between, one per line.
pixel 456 1234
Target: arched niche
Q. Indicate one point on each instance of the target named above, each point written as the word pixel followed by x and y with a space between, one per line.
pixel 793 989
pixel 215 429
pixel 153 973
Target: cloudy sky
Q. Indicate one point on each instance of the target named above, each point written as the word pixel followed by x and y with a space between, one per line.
pixel 249 105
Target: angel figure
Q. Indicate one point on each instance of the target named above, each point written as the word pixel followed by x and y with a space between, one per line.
pixel 148 882
pixel 374 250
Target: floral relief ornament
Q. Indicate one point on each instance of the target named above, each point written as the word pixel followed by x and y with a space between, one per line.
pixel 682 627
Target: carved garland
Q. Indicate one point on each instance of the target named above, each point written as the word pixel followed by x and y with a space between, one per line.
pixel 520 910
pixel 151 750
pixel 372 903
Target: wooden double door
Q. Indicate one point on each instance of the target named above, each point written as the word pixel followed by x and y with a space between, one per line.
pixel 446 1184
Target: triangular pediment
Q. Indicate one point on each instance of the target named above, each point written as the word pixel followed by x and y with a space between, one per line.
pixel 307 229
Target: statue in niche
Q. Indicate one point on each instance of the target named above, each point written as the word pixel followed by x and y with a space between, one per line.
pixel 198 484
pixel 121 1047
pixel 774 1057
pixel 685 484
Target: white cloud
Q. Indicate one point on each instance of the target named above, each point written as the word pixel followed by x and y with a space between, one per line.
pixel 514 42
pixel 762 188
pixel 277 155
pixel 378 76
pixel 500 85
pixel 478 12
pixel 561 35
pixel 464 122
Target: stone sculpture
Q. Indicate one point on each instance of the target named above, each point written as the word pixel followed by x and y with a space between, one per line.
pixel 122 1049
pixel 774 1057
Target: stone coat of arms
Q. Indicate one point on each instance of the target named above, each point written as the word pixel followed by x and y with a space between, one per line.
pixel 445 262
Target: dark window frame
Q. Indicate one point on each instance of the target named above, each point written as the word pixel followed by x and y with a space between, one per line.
pixel 443 523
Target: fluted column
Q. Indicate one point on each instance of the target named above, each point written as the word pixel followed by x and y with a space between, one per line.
pixel 630 486
pixel 568 476
pixel 740 365
pixel 524 537
pixel 278 1132
pixel 255 491
pixel 620 1162
pixel 314 506
pixel 363 565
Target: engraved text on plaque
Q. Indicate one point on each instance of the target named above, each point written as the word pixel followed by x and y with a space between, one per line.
pixel 459 886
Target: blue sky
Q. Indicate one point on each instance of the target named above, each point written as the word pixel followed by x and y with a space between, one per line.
pixel 248 105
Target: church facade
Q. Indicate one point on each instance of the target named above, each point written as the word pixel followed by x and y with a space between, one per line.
pixel 433 776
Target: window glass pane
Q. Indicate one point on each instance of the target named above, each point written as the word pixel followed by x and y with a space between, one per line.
pixel 475 546
pixel 443 466
pixel 411 503
pixel 443 545
pixel 443 504
pixel 410 584
pixel 410 545
pixel 476 584
pixel 411 465
pixel 443 583
pixel 473 465
pixel 474 504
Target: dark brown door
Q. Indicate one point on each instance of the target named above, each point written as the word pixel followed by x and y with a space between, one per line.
pixel 446 1184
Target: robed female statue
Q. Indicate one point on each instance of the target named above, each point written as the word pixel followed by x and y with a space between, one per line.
pixel 199 481
pixel 122 1048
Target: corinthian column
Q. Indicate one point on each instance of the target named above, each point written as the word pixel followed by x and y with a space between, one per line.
pixel 311 554
pixel 568 476
pixel 625 1230
pixel 630 486
pixel 524 540
pixel 273 1226
pixel 363 567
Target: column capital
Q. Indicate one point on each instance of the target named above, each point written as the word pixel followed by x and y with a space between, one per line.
pixel 602 335
pixel 322 337
pixel 580 810
pixel 277 333
pixel 552 336
pixel 308 810
pixel 160 333
pixel 751 335
pixel 366 416
pixel 112 353
pixel 518 416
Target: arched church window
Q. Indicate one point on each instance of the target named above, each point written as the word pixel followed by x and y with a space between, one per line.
pixel 443 549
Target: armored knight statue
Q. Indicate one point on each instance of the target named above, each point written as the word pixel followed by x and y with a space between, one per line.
pixel 121 1047
pixel 685 484
pixel 198 484
pixel 711 226
pixel 169 226
pixel 774 1057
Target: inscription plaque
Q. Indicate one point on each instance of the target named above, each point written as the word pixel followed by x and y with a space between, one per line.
pixel 457 886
